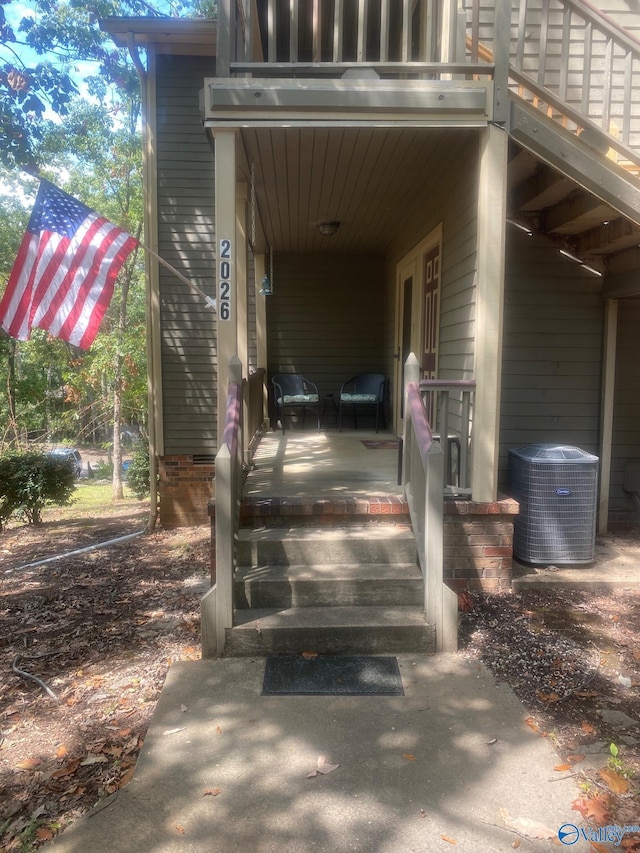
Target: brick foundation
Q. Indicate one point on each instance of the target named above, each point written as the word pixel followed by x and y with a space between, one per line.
pixel 185 490
pixel 478 544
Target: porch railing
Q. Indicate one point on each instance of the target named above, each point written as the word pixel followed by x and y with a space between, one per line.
pixel 564 56
pixel 244 414
pixel 423 466
pixel 450 407
pixel 396 37
pixel 572 61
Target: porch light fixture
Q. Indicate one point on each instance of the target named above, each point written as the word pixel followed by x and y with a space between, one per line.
pixel 329 227
pixel 573 257
pixel 521 226
pixel 266 288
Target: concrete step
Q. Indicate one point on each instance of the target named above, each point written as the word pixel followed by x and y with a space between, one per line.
pixel 376 584
pixel 330 630
pixel 324 545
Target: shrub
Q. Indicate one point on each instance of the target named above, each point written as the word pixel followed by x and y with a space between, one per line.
pixel 138 473
pixel 30 481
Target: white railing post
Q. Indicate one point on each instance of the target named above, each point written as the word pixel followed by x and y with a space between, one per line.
pixel 411 374
pixel 225 511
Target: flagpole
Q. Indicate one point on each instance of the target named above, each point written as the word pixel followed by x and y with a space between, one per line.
pixel 212 303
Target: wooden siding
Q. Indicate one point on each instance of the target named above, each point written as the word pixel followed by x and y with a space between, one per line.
pixel 186 240
pixel 326 317
pixel 552 349
pixel 451 199
pixel 626 417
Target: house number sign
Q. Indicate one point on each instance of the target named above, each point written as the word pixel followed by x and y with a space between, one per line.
pixel 225 279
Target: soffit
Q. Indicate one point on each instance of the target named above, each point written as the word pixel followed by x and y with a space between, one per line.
pixel 371 180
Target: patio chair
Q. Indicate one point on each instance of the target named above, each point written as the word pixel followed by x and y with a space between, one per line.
pixel 366 389
pixel 293 391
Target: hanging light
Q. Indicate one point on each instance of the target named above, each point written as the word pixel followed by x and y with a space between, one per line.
pixel 266 288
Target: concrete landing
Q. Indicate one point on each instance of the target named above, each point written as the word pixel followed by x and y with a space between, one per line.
pixel 225 769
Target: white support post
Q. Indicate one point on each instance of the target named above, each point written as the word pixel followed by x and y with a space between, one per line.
pixel 226 258
pixel 606 414
pixel 492 193
pixel 260 266
pixel 242 306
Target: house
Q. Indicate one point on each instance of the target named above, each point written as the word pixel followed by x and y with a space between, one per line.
pixel 478 166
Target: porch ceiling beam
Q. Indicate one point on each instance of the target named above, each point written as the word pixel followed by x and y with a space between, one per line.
pixel 576 213
pixel 545 187
pixel 615 236
pixel 564 152
pixel 401 101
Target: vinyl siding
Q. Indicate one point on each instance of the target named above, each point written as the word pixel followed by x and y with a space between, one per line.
pixel 452 202
pixel 552 349
pixel 326 317
pixel 186 240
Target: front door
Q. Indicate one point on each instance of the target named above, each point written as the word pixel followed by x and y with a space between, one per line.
pixel 418 314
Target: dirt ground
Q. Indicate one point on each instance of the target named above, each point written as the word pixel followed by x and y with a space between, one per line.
pixel 100 629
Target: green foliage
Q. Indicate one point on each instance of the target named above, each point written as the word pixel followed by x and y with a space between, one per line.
pixel 138 473
pixel 30 481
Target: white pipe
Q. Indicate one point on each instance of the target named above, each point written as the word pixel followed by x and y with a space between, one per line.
pixel 85 550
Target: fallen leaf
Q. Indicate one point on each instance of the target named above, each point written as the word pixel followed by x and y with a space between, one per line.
pixel 528 827
pixel 599 848
pixel 127 777
pixel 67 770
pixel 587 728
pixel 212 792
pixel 44 833
pixel 218 730
pixel 172 731
pixel 61 751
pixel 93 759
pixel 515 844
pixel 574 759
pixel 617 783
pixel 322 768
pixel 309 655
pixel 28 764
pixel 561 768
pixel 492 741
pixel 449 840
pixel 596 808
pixel 532 724
pixel 178 828
pixel 408 756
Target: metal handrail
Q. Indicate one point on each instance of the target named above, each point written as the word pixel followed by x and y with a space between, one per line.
pixel 448 402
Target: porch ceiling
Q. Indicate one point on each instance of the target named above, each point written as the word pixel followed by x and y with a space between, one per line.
pixel 370 180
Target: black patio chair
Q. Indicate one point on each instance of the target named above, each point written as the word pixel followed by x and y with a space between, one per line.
pixel 366 389
pixel 293 391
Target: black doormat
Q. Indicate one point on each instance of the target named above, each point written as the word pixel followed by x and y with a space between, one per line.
pixel 286 675
pixel 380 443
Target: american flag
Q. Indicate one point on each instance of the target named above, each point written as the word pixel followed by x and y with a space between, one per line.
pixel 63 278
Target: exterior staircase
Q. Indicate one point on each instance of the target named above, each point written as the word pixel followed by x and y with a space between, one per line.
pixel 329 577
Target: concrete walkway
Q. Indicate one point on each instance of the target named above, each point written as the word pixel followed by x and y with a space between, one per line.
pixel 451 765
pixel 225 769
